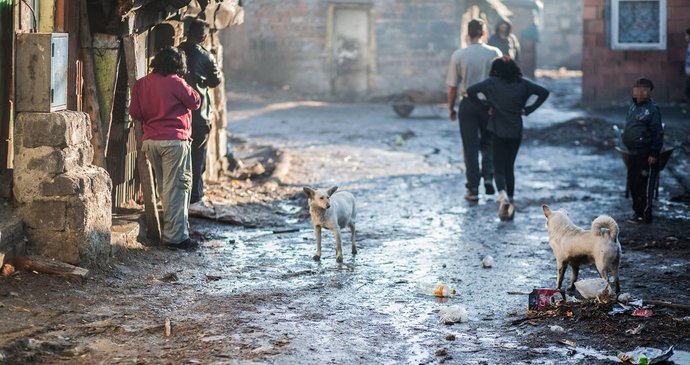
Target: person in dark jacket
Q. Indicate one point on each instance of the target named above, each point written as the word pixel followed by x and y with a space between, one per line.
pixel 504 39
pixel 643 136
pixel 202 74
pixel 506 93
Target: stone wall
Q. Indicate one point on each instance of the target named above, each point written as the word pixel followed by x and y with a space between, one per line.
pixel 286 44
pixel 607 74
pixel 64 201
pixel 561 36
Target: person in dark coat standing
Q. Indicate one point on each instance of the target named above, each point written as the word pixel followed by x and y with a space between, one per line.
pixel 202 74
pixel 504 39
pixel 643 136
pixel 506 93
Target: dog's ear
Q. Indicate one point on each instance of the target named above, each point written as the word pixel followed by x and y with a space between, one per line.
pixel 309 191
pixel 547 210
pixel 332 190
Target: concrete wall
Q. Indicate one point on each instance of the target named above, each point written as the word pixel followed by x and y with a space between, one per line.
pixel 608 74
pixel 291 43
pixel 63 200
pixel 561 35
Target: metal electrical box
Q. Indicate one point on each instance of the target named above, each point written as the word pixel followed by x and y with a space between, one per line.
pixel 41 72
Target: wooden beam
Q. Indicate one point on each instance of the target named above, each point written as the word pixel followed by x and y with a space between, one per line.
pixel 45 266
pixel 91 105
pixel 135 58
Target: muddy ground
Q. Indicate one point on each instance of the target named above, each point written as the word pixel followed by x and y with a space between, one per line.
pixel 252 293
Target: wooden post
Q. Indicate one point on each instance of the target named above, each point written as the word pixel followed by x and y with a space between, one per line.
pixel 91 106
pixel 134 56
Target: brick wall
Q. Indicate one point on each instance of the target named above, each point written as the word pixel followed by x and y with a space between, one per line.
pixel 608 74
pixel 286 43
pixel 561 37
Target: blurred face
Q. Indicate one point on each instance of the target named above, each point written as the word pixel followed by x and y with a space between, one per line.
pixel 503 29
pixel 641 93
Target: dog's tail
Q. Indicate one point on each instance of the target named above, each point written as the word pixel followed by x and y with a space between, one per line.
pixel 605 226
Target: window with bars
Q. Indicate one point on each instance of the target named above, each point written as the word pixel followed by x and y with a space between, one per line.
pixel 638 24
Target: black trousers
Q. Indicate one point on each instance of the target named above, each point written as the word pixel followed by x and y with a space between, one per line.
pixel 642 179
pixel 474 119
pixel 199 144
pixel 505 153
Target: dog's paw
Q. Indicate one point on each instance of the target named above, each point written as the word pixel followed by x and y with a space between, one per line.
pixel 317 258
pixel 339 259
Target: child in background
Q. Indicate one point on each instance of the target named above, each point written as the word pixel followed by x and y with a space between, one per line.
pixel 643 136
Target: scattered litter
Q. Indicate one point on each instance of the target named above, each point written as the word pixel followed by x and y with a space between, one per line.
pixel 290 230
pixel 642 313
pixel 450 338
pixel 170 277
pixel 646 355
pixel 571 299
pixel 636 330
pixel 593 289
pixel 441 352
pixel 438 290
pixel 625 298
pixel 488 262
pixel 453 314
pixel 543 298
pixel 557 329
pixel 619 310
pixel 567 343
pixel 168 327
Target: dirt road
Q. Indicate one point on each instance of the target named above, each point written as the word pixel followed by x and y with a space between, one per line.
pixel 253 296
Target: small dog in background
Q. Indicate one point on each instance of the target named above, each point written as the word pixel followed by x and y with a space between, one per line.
pixel 575 246
pixel 333 211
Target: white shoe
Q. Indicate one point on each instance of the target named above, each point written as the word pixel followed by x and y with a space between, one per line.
pixel 506 209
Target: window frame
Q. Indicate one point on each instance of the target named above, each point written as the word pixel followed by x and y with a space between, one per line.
pixel 615 21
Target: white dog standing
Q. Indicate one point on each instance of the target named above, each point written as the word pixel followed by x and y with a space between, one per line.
pixel 575 246
pixel 333 211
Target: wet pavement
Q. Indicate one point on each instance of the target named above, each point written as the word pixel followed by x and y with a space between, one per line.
pixel 251 295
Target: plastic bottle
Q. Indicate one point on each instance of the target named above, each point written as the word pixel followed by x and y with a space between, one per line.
pixel 438 290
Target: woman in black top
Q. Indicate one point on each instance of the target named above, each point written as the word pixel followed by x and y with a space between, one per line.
pixel 506 93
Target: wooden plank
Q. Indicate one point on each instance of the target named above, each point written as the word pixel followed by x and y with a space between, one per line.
pixel 135 59
pixel 45 266
pixel 91 105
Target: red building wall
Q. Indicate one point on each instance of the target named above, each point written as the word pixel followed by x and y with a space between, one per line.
pixel 608 74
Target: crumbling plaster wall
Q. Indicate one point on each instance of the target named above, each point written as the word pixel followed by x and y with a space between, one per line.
pixel 285 44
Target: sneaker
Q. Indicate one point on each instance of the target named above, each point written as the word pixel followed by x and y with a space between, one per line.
pixel 506 209
pixel 188 245
pixel 489 189
pixel 471 195
pixel 636 219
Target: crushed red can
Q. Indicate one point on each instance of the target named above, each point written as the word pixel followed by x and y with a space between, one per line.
pixel 544 298
pixel 643 313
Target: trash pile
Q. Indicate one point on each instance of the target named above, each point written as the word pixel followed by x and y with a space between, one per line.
pixel 622 319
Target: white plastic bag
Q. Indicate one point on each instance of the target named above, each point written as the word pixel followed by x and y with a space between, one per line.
pixel 453 314
pixel 593 288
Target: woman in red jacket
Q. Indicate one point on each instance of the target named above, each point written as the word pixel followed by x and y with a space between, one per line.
pixel 163 102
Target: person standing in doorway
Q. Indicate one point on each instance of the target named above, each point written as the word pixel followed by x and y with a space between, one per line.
pixel 504 39
pixel 162 102
pixel 506 93
pixel 469 66
pixel 202 74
